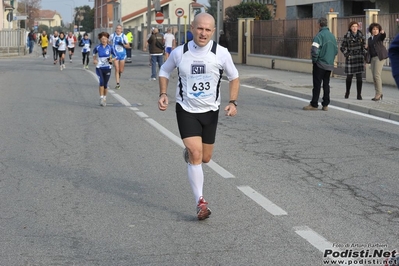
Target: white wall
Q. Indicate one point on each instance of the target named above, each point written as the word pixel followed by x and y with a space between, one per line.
pixel 131 6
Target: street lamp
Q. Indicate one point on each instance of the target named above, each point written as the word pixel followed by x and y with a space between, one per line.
pixel 79 18
pixel 72 16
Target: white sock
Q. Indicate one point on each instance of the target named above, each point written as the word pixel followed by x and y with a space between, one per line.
pixel 101 96
pixel 196 179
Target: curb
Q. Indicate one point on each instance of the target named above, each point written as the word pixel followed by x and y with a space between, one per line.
pixel 349 106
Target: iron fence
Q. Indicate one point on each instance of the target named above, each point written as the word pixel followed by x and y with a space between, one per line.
pixel 293 38
pixel 231 33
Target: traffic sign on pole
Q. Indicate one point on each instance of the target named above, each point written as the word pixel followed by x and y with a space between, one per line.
pixel 179 12
pixel 159 17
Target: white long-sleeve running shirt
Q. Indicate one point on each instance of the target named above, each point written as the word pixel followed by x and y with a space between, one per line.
pixel 200 72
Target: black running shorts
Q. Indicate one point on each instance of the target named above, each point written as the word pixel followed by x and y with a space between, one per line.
pixel 197 124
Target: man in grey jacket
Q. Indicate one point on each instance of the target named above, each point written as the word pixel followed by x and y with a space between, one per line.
pixel 324 49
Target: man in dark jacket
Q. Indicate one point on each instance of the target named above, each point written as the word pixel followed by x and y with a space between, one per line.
pixel 31 40
pixel 324 49
pixel 394 57
pixel 156 43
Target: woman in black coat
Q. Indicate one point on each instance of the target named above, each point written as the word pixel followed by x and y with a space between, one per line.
pixel 353 48
pixel 378 54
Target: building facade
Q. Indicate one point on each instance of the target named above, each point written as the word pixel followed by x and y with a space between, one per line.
pixel 318 8
pixel 49 18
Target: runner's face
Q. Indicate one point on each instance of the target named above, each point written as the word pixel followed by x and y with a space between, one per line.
pixel 118 30
pixel 104 40
pixel 203 28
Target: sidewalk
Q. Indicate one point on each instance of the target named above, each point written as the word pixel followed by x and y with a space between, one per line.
pixel 300 85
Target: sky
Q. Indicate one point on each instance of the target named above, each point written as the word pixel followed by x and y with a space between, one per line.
pixel 65 7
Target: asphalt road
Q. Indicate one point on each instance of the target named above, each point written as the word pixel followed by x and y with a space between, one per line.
pixel 82 184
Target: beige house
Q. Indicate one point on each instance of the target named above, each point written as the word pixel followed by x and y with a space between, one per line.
pixel 134 13
pixel 49 18
pixel 6 8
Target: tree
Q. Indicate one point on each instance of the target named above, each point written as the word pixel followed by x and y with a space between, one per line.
pixel 43 28
pixel 247 10
pixel 31 9
pixel 84 16
pixel 213 8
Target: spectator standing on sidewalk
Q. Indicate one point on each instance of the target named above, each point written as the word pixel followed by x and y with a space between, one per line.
pixel 156 45
pixel 378 54
pixel 353 48
pixel 129 36
pixel 394 57
pixel 201 63
pixel 323 51
pixel 31 40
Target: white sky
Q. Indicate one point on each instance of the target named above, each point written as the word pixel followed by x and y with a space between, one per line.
pixel 65 7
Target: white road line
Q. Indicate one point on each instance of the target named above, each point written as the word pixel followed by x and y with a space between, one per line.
pixel 247 86
pixel 166 132
pixel 121 99
pixel 320 243
pixel 332 106
pixel 220 170
pixel 262 201
pixel 141 114
pixel 214 166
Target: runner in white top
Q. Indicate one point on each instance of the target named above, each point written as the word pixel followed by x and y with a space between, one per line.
pixel 71 45
pixel 119 43
pixel 170 43
pixel 200 64
pixel 53 41
pixel 61 45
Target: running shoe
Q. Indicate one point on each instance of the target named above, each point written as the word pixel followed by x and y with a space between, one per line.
pixel 151 79
pixel 203 211
pixel 117 87
pixel 101 101
pixel 61 67
pixel 185 155
pixel 104 102
pixel 70 61
pixel 87 66
pixel 84 67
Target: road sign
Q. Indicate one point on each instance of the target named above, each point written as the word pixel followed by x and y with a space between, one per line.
pixel 20 17
pixel 10 17
pixel 159 17
pixel 179 12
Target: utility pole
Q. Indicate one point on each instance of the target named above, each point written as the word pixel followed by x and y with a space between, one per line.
pixel 148 16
